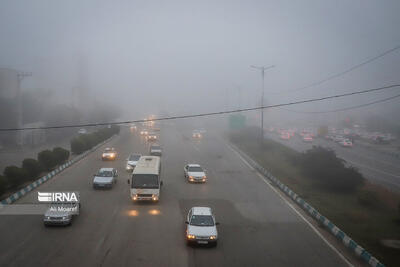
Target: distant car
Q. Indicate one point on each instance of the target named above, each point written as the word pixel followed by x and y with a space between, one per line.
pixel 109 154
pixel 60 213
pixel 346 143
pixel 82 131
pixel 201 226
pixel 133 128
pixel 151 137
pixel 195 173
pixel 338 138
pixel 105 178
pixel 155 150
pixel 197 134
pixel 144 132
pixel 285 136
pixel 131 161
pixel 307 138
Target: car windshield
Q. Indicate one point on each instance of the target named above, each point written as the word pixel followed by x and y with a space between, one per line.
pixel 156 147
pixel 195 169
pixel 109 150
pixel 105 174
pixel 134 157
pixel 145 181
pixel 202 220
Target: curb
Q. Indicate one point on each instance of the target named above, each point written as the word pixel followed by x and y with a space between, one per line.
pixel 333 229
pixel 17 195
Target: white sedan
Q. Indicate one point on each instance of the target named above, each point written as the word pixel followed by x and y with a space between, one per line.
pixel 201 226
pixel 195 173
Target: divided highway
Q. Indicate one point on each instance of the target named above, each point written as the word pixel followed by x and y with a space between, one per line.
pixel 257 227
pixel 375 166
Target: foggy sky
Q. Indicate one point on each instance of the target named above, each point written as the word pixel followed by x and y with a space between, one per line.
pixel 194 56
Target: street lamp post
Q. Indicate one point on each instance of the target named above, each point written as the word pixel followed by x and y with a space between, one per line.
pixel 262 69
pixel 21 75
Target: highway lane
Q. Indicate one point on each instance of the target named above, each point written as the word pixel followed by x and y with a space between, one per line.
pixel 257 227
pixel 375 166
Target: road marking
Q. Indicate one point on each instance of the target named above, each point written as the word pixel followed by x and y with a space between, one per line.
pixel 293 208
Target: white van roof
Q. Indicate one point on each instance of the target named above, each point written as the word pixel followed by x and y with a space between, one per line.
pixel 147 165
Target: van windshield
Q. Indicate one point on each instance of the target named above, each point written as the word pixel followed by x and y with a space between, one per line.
pixel 145 181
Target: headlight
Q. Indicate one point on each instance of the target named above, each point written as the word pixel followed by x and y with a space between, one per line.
pixel 190 236
pixel 155 197
pixel 191 177
pixel 65 217
pixel 213 237
pixel 47 217
pixel 134 197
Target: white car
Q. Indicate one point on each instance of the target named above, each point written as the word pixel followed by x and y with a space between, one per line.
pixel 151 137
pixel 155 150
pixel 109 154
pixel 61 213
pixel 82 131
pixel 132 161
pixel 195 173
pixel 105 178
pixel 201 226
pixel 196 134
pixel 144 132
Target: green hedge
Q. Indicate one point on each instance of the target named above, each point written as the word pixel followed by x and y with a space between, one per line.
pixel 328 171
pixel 60 155
pixel 47 160
pixel 15 176
pixel 3 184
pixel 33 167
pixel 83 142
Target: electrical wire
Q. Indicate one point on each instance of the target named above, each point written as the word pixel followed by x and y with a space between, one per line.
pixel 331 77
pixel 345 109
pixel 205 114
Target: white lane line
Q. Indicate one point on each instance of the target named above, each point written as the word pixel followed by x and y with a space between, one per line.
pixel 293 208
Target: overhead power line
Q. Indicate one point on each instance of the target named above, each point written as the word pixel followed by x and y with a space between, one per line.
pixel 333 76
pixel 345 109
pixel 205 114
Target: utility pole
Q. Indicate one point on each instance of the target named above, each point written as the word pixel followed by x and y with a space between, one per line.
pixel 21 75
pixel 262 69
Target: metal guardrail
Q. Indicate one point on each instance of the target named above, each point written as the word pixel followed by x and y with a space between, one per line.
pixel 333 229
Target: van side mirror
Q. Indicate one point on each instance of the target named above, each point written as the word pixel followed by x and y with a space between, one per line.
pixel 217 223
pixel 161 183
pixel 187 222
pixel 129 182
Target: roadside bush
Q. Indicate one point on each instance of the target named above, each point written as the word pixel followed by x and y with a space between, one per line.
pixel 15 176
pixel 60 154
pixel 3 185
pixel 85 142
pixel 367 198
pixel 47 159
pixel 328 171
pixel 78 146
pixel 32 167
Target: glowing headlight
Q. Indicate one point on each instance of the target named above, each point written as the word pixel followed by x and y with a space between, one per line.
pixel 134 197
pixel 155 197
pixel 213 237
pixel 190 236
